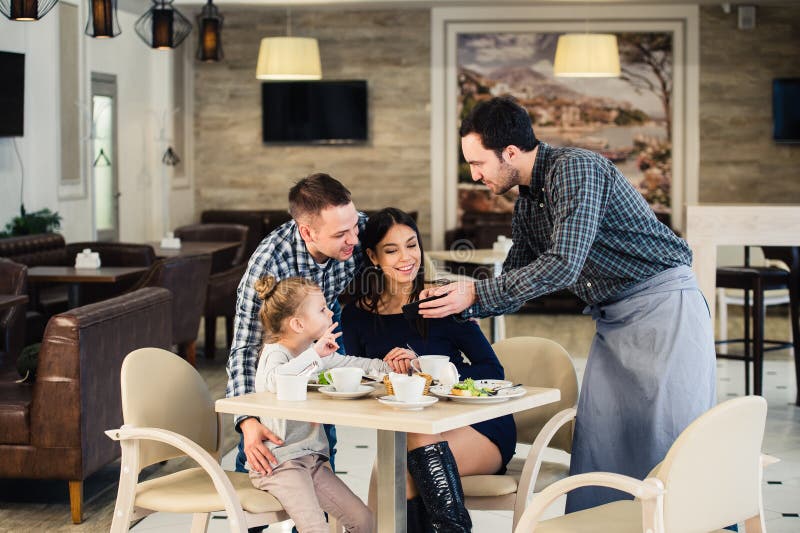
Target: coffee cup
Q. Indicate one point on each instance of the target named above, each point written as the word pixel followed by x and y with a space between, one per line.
pixel 438 366
pixel 291 388
pixel 407 388
pixel 344 379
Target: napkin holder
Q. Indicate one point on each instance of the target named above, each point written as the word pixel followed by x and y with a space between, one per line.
pixel 502 244
pixel 171 241
pixel 87 259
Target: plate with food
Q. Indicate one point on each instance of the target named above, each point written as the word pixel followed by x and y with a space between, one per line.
pixel 319 380
pixel 479 391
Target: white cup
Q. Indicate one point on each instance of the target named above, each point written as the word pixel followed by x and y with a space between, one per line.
pixel 407 388
pixel 344 379
pixel 438 366
pixel 291 388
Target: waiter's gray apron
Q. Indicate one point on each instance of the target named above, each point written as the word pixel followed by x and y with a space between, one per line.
pixel 651 371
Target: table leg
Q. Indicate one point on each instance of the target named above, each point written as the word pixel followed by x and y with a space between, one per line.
pixel 392 481
pixel 74 295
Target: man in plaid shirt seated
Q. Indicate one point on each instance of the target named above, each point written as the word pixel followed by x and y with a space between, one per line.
pixel 319 243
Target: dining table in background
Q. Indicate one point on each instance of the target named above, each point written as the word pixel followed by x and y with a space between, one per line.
pixel 11 300
pixel 392 426
pixel 477 256
pixel 193 248
pixel 75 277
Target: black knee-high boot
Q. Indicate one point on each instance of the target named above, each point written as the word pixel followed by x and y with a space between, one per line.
pixel 435 473
pixel 416 516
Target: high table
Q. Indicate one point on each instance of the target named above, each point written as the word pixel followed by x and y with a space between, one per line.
pixel 479 256
pixel 77 276
pixel 392 426
pixel 11 300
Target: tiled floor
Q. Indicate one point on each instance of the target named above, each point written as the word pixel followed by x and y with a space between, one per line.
pixel 782 439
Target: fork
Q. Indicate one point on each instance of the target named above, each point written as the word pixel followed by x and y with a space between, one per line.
pixel 408 345
pixel 495 391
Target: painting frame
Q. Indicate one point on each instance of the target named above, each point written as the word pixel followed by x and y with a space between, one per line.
pixel 448 23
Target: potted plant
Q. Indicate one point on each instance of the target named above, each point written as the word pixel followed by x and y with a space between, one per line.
pixel 42 221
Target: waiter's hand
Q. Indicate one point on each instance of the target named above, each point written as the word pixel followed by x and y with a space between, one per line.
pixel 459 296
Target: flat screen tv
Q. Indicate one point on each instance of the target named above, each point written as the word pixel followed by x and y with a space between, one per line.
pixel 323 112
pixel 786 110
pixel 12 94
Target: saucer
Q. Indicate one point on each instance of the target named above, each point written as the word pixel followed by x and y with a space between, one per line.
pixel 362 390
pixel 408 406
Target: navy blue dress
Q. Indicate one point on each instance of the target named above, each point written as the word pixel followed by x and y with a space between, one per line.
pixel 368 334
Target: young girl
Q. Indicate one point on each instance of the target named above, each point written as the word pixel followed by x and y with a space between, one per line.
pixel 294 314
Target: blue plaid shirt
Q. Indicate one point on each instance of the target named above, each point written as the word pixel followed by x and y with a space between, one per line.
pixel 282 254
pixel 580 226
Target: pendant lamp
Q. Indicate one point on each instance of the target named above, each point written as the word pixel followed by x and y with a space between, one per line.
pixel 163 27
pixel 26 10
pixel 288 58
pixel 586 55
pixel 209 21
pixel 103 22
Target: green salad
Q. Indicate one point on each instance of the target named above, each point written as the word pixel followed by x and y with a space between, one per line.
pixel 322 379
pixel 468 388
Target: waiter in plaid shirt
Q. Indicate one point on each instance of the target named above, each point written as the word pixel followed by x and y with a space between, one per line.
pixel 578 224
pixel 319 243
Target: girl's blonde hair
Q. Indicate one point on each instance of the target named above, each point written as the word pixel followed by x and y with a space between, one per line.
pixel 281 299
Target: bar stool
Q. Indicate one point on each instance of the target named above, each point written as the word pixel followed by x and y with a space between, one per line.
pixel 758 280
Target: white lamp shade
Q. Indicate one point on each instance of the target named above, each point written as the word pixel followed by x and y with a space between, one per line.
pixel 587 55
pixel 288 58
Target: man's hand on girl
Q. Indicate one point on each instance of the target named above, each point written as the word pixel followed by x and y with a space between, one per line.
pixel 327 344
pixel 399 359
pixel 258 455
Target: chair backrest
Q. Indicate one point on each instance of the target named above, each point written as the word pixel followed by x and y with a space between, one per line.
pixel 161 390
pixel 712 473
pixel 538 362
pixel 186 277
pixel 220 233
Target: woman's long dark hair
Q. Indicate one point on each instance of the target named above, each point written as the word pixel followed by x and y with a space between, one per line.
pixel 373 281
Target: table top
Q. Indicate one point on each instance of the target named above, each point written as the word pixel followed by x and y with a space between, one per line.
pixel 193 248
pixel 478 256
pixel 67 274
pixel 367 412
pixel 10 300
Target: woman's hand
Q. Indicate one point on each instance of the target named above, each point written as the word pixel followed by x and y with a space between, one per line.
pixel 399 359
pixel 258 455
pixel 327 344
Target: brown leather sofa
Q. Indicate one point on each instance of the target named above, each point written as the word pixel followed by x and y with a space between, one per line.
pixel 13 280
pixel 35 250
pixel 227 271
pixel 186 277
pixel 54 428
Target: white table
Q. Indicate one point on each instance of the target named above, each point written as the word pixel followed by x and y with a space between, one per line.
pixel 392 426
pixel 479 256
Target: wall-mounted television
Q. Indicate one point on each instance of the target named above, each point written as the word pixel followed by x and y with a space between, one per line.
pixel 786 110
pixel 323 112
pixel 12 94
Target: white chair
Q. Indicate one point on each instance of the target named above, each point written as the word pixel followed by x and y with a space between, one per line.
pixel 169 413
pixel 534 362
pixel 710 478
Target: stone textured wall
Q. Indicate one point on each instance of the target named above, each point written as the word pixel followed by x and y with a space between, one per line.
pixel 739 161
pixel 388 48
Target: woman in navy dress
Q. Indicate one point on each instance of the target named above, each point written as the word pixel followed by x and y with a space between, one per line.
pixel 374 326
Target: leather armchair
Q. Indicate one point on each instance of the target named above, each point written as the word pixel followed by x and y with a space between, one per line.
pixel 116 254
pixel 54 428
pixel 255 220
pixel 13 280
pixel 227 271
pixel 35 250
pixel 186 277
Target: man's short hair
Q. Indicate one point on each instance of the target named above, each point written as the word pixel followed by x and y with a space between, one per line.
pixel 500 122
pixel 312 194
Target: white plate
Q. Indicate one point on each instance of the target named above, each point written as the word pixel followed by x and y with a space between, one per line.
pixel 408 406
pixel 363 390
pixel 315 385
pixel 502 396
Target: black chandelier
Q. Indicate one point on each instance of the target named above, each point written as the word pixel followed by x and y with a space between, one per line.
pixel 26 10
pixel 103 22
pixel 210 23
pixel 163 27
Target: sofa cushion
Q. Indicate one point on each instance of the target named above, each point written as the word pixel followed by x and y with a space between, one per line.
pixel 15 403
pixel 34 250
